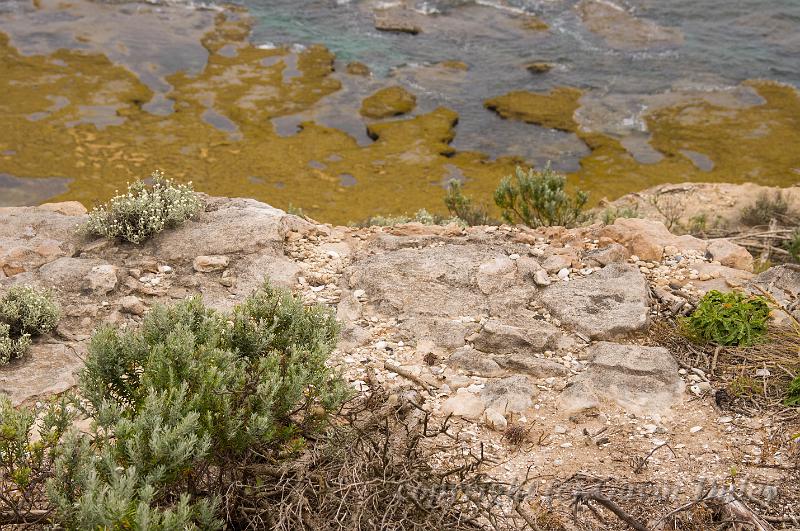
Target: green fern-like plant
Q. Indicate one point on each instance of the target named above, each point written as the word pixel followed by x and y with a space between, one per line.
pixel 538 198
pixel 729 319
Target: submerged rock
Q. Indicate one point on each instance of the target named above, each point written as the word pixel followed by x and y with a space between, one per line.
pixel 539 67
pixel 622 30
pixel 396 20
pixel 357 68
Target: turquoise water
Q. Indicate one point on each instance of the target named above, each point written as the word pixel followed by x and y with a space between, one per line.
pixel 725 42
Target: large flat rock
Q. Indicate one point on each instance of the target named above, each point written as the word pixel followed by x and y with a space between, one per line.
pixel 608 304
pixel 641 380
pixel 45 370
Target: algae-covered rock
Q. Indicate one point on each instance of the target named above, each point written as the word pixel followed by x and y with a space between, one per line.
pixel 535 24
pixel 539 67
pixel 356 68
pixel 553 109
pixel 455 65
pixel 389 101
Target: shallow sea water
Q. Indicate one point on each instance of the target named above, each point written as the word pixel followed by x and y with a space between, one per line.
pixel 723 44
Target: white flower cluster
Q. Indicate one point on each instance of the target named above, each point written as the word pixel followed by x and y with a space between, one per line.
pixel 29 310
pixel 25 311
pixel 145 210
pixel 11 348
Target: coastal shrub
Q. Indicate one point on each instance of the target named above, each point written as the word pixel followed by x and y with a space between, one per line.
pixel 12 347
pixel 421 216
pixel 28 438
pixel 670 206
pixel 611 214
pixel 29 310
pixel 765 209
pixel 146 209
pixel 462 207
pixel 734 319
pixel 793 393
pixel 188 405
pixel 538 198
pixel 793 245
pixel 25 311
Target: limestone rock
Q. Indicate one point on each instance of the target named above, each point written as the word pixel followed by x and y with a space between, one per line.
pixel 71 274
pixel 45 370
pixel 65 208
pixel 432 281
pixel 496 275
pixel 536 367
pixel 133 305
pixel 102 279
pixel 208 264
pixel 443 331
pixel 464 404
pixel 513 394
pixel 473 362
pixel 610 254
pixel 647 239
pixel 642 380
pixel 729 254
pixel 229 226
pixel 499 338
pixel 556 262
pixel 610 303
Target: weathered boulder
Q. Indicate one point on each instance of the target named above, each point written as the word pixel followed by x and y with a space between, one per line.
pixel 465 404
pixel 731 255
pixel 513 394
pixel 608 304
pixel 610 254
pixel 497 274
pixel 46 369
pixel 31 237
pixel 73 274
pixel 102 279
pixel 473 362
pixel 499 338
pixel 228 226
pixel 642 380
pixel 647 238
pixel 783 283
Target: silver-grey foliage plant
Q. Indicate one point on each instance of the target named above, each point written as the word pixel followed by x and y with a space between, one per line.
pixel 25 311
pixel 145 210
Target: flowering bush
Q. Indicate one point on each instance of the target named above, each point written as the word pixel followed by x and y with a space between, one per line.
pixel 25 311
pixel 145 210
